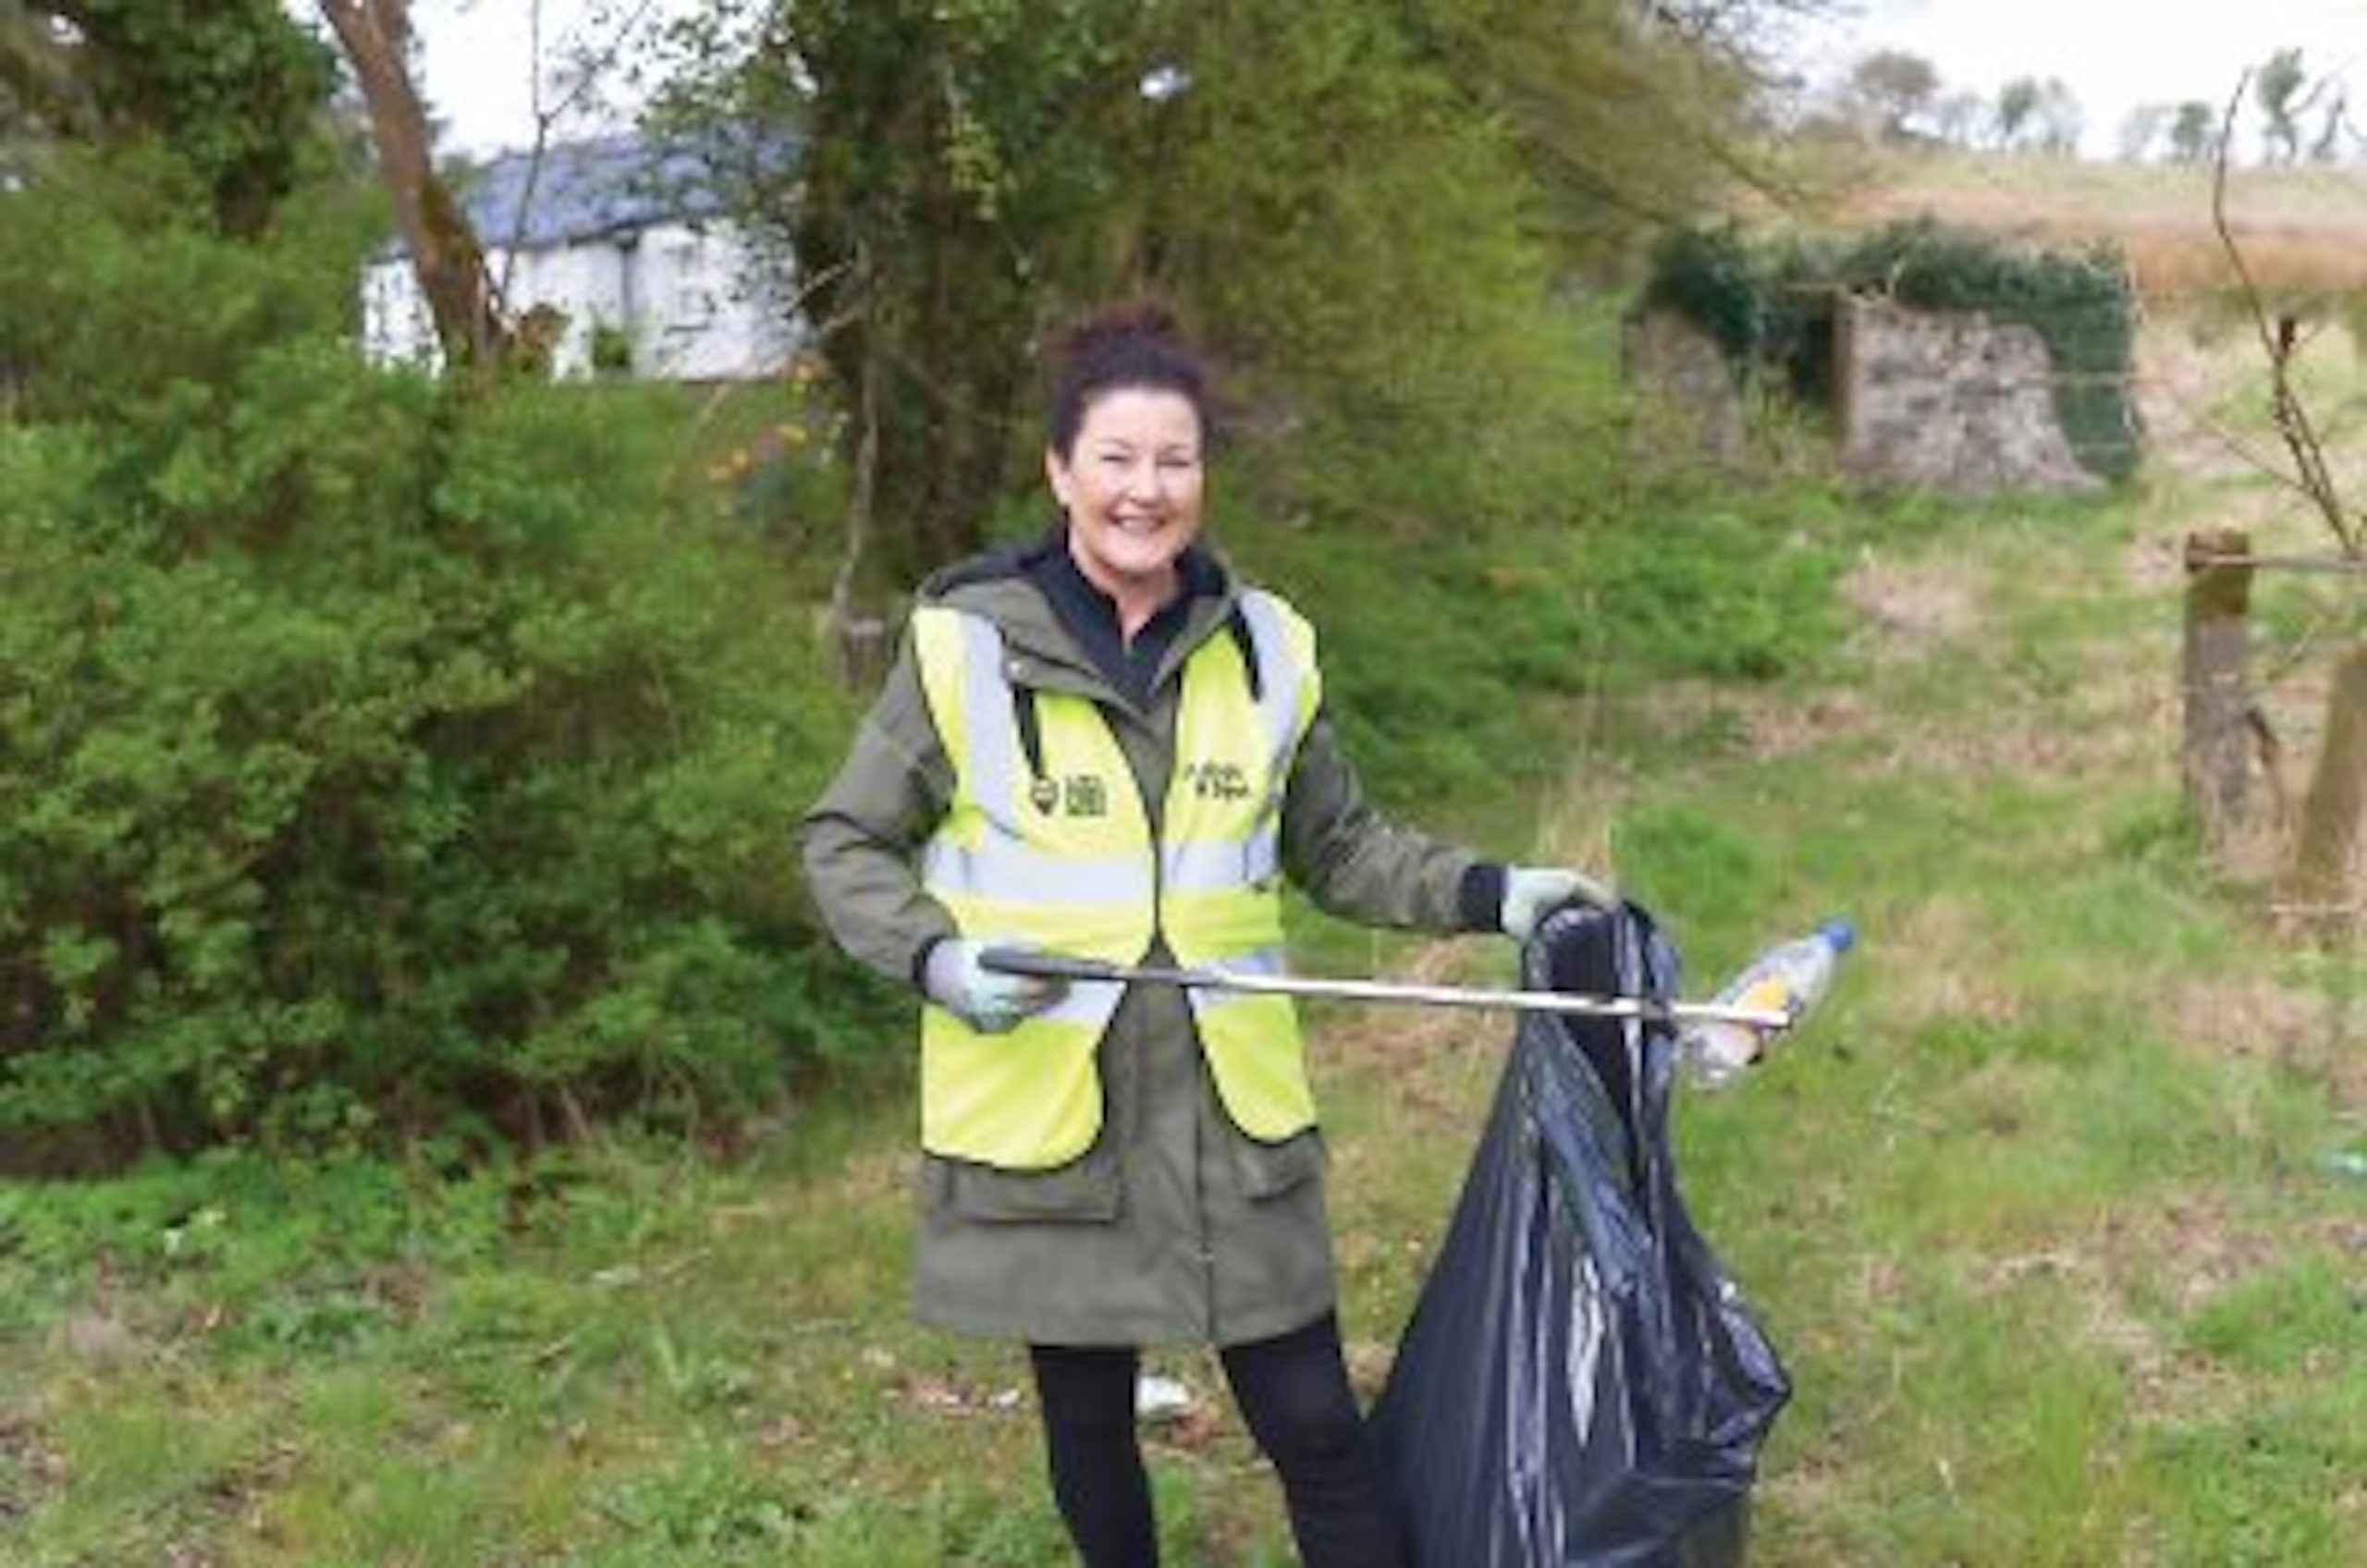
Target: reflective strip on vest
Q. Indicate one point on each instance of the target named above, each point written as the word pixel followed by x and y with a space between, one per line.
pixel 1065 860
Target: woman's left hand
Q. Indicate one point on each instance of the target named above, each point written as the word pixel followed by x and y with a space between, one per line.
pixel 1532 892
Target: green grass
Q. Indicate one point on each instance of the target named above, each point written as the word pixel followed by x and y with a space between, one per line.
pixel 2036 1208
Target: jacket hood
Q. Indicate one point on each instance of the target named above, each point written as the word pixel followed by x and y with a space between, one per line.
pixel 997 586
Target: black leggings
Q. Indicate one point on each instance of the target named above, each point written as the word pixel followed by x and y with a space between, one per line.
pixel 1293 1393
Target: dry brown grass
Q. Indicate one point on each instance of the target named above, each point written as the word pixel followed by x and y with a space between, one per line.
pixel 1912 606
pixel 2300 231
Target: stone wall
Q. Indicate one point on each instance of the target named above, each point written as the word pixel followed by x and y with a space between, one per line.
pixel 1952 402
pixel 1689 400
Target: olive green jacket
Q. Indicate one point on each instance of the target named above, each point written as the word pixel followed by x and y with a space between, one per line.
pixel 1173 1227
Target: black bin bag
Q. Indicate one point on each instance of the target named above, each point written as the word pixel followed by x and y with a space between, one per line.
pixel 1580 1381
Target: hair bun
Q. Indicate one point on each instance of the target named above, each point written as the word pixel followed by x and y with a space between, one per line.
pixel 1135 343
pixel 1128 321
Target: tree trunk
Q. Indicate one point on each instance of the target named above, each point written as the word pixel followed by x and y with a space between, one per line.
pixel 2217 682
pixel 445 253
pixel 859 637
pixel 2318 887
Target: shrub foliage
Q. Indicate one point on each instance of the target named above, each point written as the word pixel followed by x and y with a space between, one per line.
pixel 371 760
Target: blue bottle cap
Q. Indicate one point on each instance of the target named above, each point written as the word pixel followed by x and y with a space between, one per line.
pixel 1841 933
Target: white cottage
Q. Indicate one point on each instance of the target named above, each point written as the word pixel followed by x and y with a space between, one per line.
pixel 627 243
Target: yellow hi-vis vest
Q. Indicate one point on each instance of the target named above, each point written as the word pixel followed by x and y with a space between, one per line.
pixel 1047 842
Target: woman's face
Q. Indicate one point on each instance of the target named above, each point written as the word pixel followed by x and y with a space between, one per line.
pixel 1132 486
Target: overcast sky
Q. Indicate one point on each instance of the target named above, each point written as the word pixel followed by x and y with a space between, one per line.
pixel 478 60
pixel 2113 55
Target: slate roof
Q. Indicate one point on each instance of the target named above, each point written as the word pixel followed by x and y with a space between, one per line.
pixel 586 190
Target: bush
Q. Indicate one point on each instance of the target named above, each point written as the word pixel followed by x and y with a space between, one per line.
pixel 1440 559
pixel 1460 603
pixel 1721 586
pixel 373 760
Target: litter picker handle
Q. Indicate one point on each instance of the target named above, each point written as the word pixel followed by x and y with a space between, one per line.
pixel 1052 966
pixel 1062 966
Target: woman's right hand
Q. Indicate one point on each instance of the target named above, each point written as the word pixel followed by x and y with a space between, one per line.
pixel 989 1000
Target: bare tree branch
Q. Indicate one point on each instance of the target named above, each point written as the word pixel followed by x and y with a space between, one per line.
pixel 2279 338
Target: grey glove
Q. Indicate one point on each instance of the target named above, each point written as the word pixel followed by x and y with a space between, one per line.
pixel 987 999
pixel 1532 892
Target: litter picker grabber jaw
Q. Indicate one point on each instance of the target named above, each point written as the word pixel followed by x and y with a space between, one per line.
pixel 1057 966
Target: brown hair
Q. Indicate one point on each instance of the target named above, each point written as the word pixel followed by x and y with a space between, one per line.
pixel 1138 345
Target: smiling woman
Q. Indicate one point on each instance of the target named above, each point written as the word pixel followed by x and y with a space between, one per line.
pixel 1130 479
pixel 1104 744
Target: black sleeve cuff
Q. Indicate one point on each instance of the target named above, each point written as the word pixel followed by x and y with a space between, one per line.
pixel 1479 897
pixel 920 965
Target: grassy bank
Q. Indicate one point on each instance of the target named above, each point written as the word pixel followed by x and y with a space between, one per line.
pixel 2042 1210
pixel 2298 227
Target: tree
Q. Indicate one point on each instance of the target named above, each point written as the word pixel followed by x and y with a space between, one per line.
pixel 377 762
pixel 1957 117
pixel 1338 193
pixel 473 325
pixel 1368 270
pixel 935 177
pixel 233 88
pixel 2327 147
pixel 2277 89
pixel 2318 881
pixel 1894 88
pixel 2140 130
pixel 2059 118
pixel 2018 104
pixel 1734 28
pixel 2192 132
pixel 1629 118
pixel 2039 115
pixel 445 254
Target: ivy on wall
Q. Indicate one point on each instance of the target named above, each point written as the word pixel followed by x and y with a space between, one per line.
pixel 1771 304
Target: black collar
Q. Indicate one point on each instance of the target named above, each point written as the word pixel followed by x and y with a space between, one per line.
pixel 1090 616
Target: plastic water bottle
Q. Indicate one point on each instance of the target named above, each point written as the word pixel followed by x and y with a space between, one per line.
pixel 1786 978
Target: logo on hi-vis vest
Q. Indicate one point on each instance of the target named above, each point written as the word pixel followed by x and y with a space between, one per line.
pixel 1217 781
pixel 1076 794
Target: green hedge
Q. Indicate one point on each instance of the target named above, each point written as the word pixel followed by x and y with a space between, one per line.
pixel 371 761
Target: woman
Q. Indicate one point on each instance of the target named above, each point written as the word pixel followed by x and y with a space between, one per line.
pixel 1104 744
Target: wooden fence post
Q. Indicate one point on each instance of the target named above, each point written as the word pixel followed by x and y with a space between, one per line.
pixel 2218 679
pixel 2318 888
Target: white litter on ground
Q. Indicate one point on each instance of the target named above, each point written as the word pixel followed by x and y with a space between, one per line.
pixel 1160 1398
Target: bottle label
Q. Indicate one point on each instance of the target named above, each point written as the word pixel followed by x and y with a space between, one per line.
pixel 1769 993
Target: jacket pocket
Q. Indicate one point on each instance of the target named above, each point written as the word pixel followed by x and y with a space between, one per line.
pixel 1268 1170
pixel 1083 1191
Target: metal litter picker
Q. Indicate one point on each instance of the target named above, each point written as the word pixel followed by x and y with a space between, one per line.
pixel 1057 966
pixel 1581 1381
